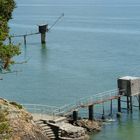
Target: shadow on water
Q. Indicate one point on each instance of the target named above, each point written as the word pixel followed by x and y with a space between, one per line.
pixel 43 46
pixel 44 52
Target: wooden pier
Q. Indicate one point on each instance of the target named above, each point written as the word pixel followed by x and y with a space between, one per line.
pixel 128 87
pixel 42 30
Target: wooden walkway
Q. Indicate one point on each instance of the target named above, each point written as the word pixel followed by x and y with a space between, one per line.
pixel 100 101
pixel 127 86
pixel 44 29
pixel 99 98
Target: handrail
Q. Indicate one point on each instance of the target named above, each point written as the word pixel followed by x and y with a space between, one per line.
pixel 63 110
pixel 88 100
pixel 40 109
pixel 22 35
pixel 25 104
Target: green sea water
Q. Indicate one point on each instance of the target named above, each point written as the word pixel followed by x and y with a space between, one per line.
pixel 96 42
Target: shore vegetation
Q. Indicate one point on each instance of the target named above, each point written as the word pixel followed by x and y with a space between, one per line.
pixel 7 51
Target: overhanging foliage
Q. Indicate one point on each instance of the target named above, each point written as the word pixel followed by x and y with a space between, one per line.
pixel 6 51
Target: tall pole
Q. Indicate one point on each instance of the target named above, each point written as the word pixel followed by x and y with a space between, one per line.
pixel 42 30
pixel 119 107
pixel 111 108
pixel 43 38
pixel 24 39
pixel 131 104
pixel 128 107
pixel 75 115
pixel 119 104
pixel 103 115
pixel 91 113
pixel 139 100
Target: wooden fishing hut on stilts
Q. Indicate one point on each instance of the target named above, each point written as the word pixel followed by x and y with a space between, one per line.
pixel 129 87
pixel 42 29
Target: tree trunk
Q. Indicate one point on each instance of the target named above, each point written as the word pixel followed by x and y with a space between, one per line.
pixel 6 64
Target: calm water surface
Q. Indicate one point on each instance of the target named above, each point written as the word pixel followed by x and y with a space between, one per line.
pixel 95 43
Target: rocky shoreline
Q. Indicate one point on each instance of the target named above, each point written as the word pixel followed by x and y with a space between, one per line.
pixel 78 130
pixel 90 126
pixel 17 124
pixel 87 127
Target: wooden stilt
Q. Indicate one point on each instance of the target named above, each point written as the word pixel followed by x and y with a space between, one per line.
pixel 42 30
pixel 119 104
pixel 128 107
pixel 24 39
pixel 75 115
pixel 131 104
pixel 111 111
pixel 139 100
pixel 43 38
pixel 91 113
pixel 103 115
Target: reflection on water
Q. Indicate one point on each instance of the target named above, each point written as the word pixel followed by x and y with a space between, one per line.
pixel 43 52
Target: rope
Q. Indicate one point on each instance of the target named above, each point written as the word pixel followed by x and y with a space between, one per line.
pixel 30 34
pixel 62 15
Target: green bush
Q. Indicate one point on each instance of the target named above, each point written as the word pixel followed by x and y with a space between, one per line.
pixel 3 115
pixel 5 131
pixel 16 105
pixel 6 51
pixel 4 127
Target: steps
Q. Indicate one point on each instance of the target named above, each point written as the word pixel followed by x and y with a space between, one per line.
pixel 46 129
pixel 58 120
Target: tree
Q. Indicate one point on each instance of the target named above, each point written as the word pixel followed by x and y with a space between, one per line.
pixel 7 52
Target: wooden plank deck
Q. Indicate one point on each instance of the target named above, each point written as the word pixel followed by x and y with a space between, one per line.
pixel 100 101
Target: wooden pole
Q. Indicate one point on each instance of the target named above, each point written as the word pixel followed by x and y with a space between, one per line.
pixel 42 30
pixel 91 113
pixel 139 101
pixel 24 39
pixel 103 115
pixel 128 107
pixel 131 104
pixel 119 104
pixel 43 38
pixel 111 110
pixel 75 115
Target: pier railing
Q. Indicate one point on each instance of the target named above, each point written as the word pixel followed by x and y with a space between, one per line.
pixel 86 101
pixel 40 109
pixel 68 108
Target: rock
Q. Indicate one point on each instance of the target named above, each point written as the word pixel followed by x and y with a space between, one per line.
pixel 90 126
pixel 17 124
pixel 70 132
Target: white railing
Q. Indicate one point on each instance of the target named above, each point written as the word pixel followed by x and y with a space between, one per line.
pixel 40 109
pixel 88 100
pixel 56 111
